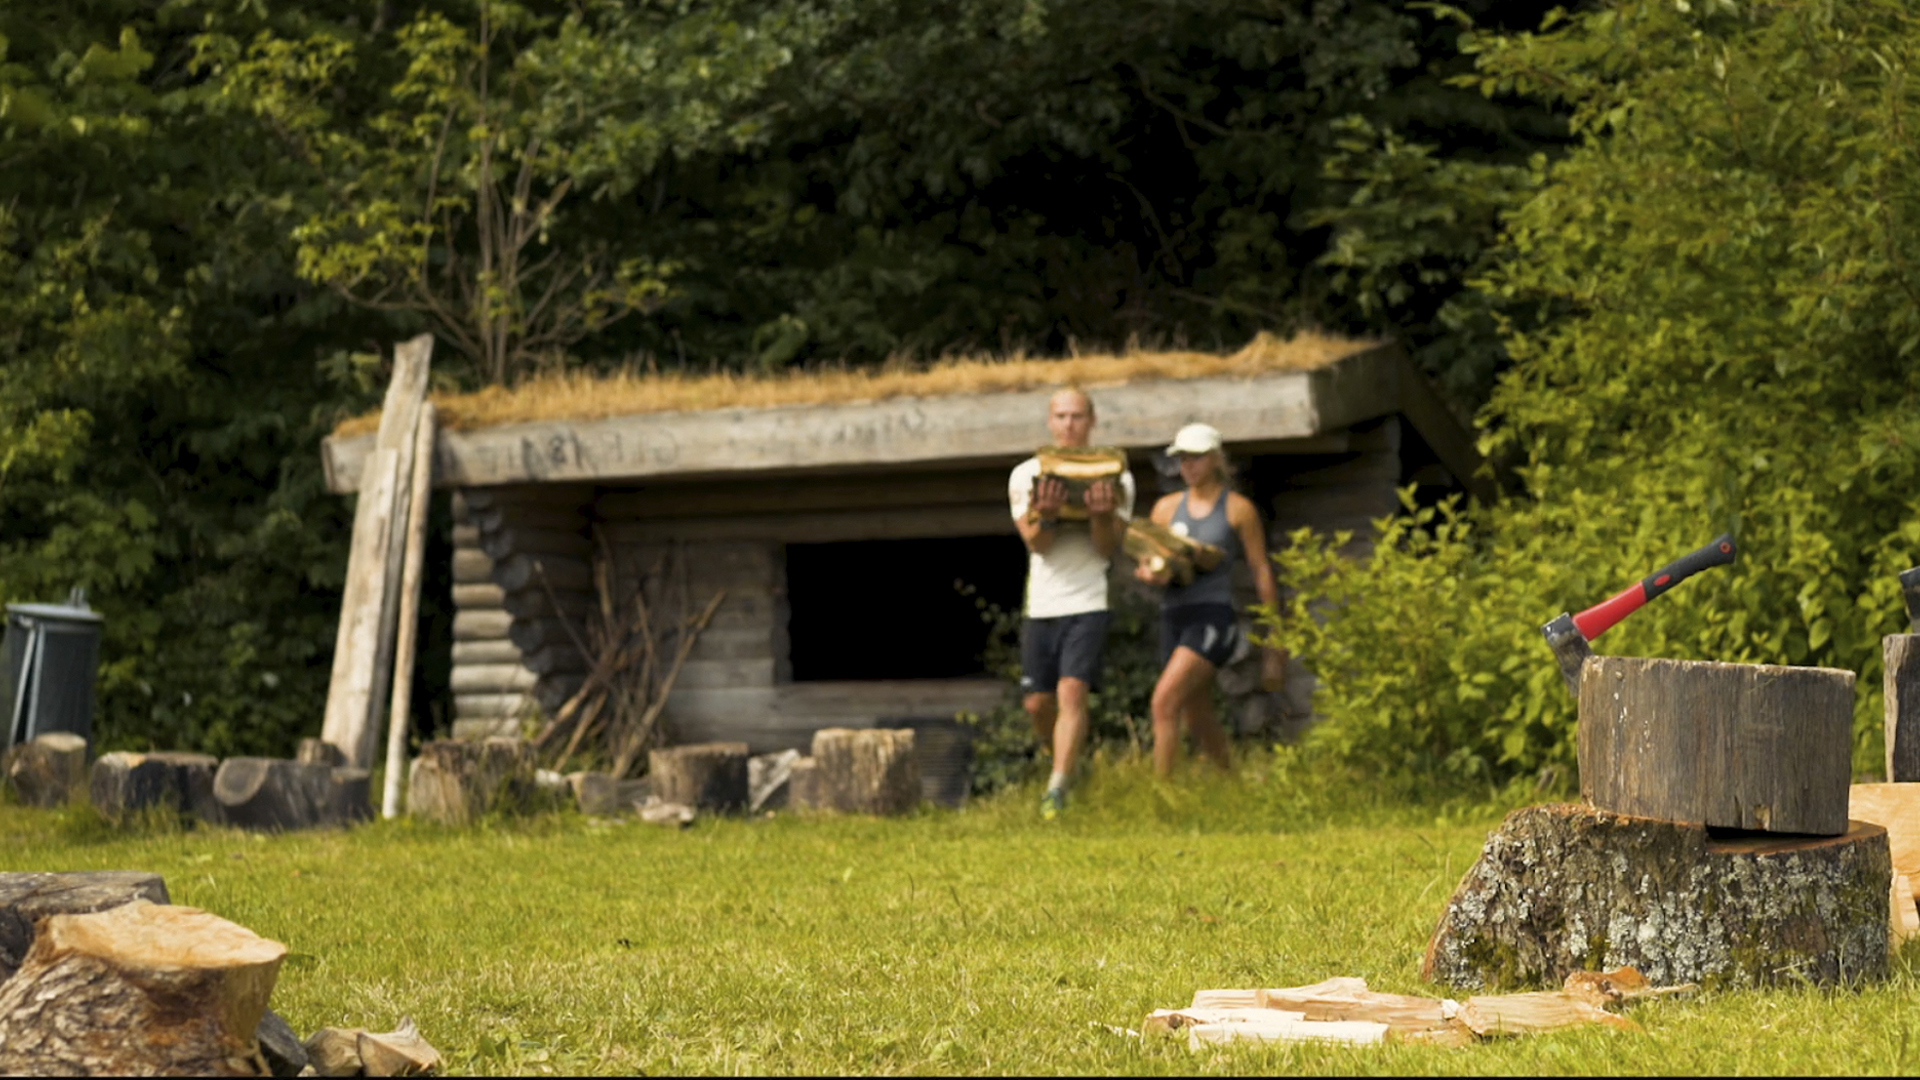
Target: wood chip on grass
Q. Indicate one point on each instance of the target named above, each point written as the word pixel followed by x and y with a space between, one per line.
pixel 1344 1010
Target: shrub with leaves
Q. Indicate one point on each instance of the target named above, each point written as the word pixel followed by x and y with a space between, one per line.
pixel 1734 351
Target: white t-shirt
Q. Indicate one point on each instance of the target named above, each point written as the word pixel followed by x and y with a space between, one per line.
pixel 1071 578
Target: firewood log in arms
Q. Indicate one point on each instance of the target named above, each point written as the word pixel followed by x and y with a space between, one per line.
pixel 138 990
pixel 1160 548
pixel 1078 467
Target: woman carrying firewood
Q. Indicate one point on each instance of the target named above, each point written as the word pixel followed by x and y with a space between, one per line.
pixel 1199 629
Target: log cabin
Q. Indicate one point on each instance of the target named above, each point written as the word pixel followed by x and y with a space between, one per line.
pixel 854 520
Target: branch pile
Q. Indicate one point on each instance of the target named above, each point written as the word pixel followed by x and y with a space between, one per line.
pixel 637 638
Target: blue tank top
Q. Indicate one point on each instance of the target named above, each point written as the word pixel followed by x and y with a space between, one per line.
pixel 1215 586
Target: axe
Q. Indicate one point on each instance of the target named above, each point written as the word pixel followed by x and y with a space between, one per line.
pixel 1569 634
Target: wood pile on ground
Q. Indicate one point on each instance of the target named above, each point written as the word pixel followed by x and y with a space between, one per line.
pixel 1344 1010
pixel 101 976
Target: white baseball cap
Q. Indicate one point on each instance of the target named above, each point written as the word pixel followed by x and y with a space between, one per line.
pixel 1195 439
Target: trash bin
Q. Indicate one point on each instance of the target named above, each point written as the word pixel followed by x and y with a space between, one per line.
pixel 51 652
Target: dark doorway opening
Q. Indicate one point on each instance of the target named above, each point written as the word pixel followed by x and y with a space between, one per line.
pixel 891 609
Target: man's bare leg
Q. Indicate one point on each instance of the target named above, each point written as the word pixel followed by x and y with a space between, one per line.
pixel 1070 734
pixel 1044 709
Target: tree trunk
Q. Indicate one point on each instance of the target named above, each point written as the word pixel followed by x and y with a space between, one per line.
pixel 705 776
pixel 139 990
pixel 1738 746
pixel 865 770
pixel 122 783
pixel 1560 889
pixel 1901 682
pixel 50 770
pixel 27 897
pixel 457 781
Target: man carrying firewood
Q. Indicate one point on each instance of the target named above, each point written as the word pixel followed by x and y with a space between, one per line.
pixel 1064 630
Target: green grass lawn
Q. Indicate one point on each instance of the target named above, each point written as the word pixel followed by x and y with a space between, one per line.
pixel 977 941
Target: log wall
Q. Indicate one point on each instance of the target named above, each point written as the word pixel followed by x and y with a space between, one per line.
pixel 512 653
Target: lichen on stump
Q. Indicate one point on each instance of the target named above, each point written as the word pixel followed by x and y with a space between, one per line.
pixel 1559 889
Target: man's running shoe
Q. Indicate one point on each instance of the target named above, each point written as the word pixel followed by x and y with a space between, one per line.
pixel 1052 804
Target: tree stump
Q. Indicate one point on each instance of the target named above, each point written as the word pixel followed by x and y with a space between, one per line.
pixel 50 770
pixel 349 796
pixel 865 770
pixel 458 781
pixel 1901 682
pixel 123 783
pixel 1559 889
pixel 705 776
pixel 139 990
pixel 25 898
pixel 1738 746
pixel 803 789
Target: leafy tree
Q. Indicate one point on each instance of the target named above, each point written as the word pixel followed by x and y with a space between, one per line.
pixel 1733 348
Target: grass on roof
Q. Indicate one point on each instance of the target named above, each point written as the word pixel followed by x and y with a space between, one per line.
pixel 581 396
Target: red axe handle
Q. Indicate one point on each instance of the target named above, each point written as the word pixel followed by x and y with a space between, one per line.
pixel 1601 617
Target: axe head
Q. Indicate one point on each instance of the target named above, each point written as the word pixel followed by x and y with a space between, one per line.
pixel 1570 649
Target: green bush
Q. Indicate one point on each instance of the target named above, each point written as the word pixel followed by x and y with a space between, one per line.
pixel 1727 251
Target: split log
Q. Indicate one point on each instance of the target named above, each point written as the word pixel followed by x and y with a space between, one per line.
pixel 26 898
pixel 123 783
pixel 705 776
pixel 674 815
pixel 1738 746
pixel 1901 682
pixel 1895 808
pixel 1534 1014
pixel 50 770
pixel 1559 889
pixel 767 779
pixel 279 1046
pixel 359 1052
pixel 457 781
pixel 139 990
pixel 511 539
pixel 865 770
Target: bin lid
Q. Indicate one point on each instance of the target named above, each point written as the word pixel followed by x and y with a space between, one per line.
pixel 54 612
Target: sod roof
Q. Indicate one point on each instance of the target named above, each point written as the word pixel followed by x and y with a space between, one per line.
pixel 576 396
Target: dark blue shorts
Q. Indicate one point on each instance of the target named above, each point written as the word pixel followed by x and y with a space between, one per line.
pixel 1208 629
pixel 1066 647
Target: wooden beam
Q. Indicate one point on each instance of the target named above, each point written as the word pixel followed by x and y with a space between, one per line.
pixel 823 526
pixel 363 654
pixel 1284 405
pixel 729 498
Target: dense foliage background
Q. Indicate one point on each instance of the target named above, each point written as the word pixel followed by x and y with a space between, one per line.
pixel 214 217
pixel 1659 248
pixel 1726 296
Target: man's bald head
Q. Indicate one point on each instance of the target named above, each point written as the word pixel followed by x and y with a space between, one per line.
pixel 1070 416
